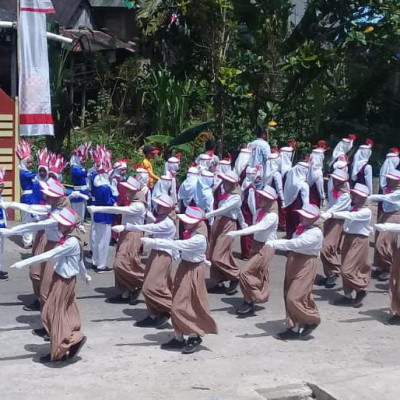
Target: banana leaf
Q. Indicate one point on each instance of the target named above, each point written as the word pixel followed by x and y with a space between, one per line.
pixel 161 139
pixel 190 134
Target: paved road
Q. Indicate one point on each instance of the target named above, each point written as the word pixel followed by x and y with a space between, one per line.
pixel 353 355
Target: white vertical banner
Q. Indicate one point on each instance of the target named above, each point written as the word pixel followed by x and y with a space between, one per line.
pixel 34 82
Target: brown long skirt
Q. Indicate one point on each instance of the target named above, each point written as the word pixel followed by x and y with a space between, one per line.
pixel 157 286
pixel 46 274
pixel 224 266
pixel 128 272
pixel 299 280
pixel 254 277
pixel 39 243
pixel 394 284
pixel 333 232
pixel 386 242
pixel 190 304
pixel 356 267
pixel 60 316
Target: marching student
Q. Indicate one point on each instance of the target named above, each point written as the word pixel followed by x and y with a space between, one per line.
pixel 361 170
pixel 190 311
pixel 3 224
pixel 302 316
pixel 386 242
pixel 391 162
pixel 339 200
pixel 57 165
pixel 187 190
pixel 210 152
pixel 342 150
pixel 218 188
pixel 254 277
pixel 297 194
pixel 248 208
pixel 128 272
pixel 101 224
pixel 356 267
pixel 316 175
pixel 79 177
pixel 60 314
pixel 394 280
pixel 27 178
pixel 242 162
pixel 204 197
pixel 287 155
pixel 204 161
pixel 43 158
pixel 163 186
pixel 171 169
pixel 260 152
pixel 228 214
pixel 149 153
pixel 143 176
pixel 157 286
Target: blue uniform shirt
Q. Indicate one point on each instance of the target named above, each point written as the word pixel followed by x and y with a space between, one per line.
pixel 104 197
pixel 79 175
pixel 27 179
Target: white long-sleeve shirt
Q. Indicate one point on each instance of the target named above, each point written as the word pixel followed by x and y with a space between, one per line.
pixel 229 208
pixel 264 230
pixel 390 201
pixel 50 225
pixel 343 203
pixel 133 214
pixel 192 250
pixel 309 242
pixel 165 229
pixel 69 262
pixel 356 222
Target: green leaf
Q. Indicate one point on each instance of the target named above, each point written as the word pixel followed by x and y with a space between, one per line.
pixel 162 139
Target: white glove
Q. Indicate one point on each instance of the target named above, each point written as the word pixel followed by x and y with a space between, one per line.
pixel 207 215
pixel 118 228
pixel 269 244
pixel 91 209
pixel 74 194
pixel 83 196
pixel 244 225
pixel 380 227
pixel 5 204
pixel 17 265
pixel 326 215
pixel 5 232
pixel 323 203
pixel 88 279
pixel 283 205
pixel 145 240
pixel 207 263
pixel 82 228
pixel 232 234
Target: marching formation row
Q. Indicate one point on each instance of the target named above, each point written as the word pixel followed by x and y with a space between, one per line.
pixel 196 221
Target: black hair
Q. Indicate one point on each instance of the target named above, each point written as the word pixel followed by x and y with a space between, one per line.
pixel 210 144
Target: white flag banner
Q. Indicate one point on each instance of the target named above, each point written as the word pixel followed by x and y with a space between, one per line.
pixel 34 83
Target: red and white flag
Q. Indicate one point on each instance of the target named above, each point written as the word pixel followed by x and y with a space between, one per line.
pixel 34 83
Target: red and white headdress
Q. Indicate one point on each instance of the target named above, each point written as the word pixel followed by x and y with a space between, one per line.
pixel 102 158
pixel 57 164
pixel 121 163
pixel 82 151
pixel 43 156
pixel 2 175
pixel 23 150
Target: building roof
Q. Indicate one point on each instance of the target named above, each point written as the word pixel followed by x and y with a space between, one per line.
pixel 66 11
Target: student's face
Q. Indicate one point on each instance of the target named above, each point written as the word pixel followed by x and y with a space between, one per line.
pixel 29 163
pixel 42 172
pixel 161 210
pixel 264 202
pixel 189 227
pixel 358 200
pixel 228 186
pixel 52 201
pixel 53 175
pixel 337 184
pixel 307 221
pixel 122 171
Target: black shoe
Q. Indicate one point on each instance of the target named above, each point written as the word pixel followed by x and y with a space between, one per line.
pixel 35 306
pixel 219 288
pixel 4 276
pixel 245 308
pixel 375 273
pixel 76 348
pixel 331 281
pixel 320 281
pixel 232 289
pixel 173 344
pixel 384 276
pixel 308 329
pixel 94 268
pixel 133 296
pixel 357 303
pixel 162 319
pixel 118 300
pixel 289 334
pixel 393 320
pixel 113 242
pixel 192 345
pixel 41 332
pixel 103 270
pixel 90 253
pixel 148 322
pixel 343 301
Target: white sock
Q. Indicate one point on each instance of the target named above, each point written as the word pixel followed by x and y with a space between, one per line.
pixel 179 337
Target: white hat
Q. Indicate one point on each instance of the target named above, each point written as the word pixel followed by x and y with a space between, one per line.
pixel 361 190
pixel 193 171
pixel 274 156
pixel 224 162
pixel 287 149
pixel 340 175
pixel 230 176
pixel 341 164
pixel 269 192
pixel 131 184
pixel 52 188
pixel 205 157
pixel 166 178
pixel 393 174
pixel 251 171
pixel 65 217
pixel 303 164
pixel 244 150
pixel 192 215
pixel 120 164
pixel 309 211
pixel 165 201
pixel 207 173
pixel 174 160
